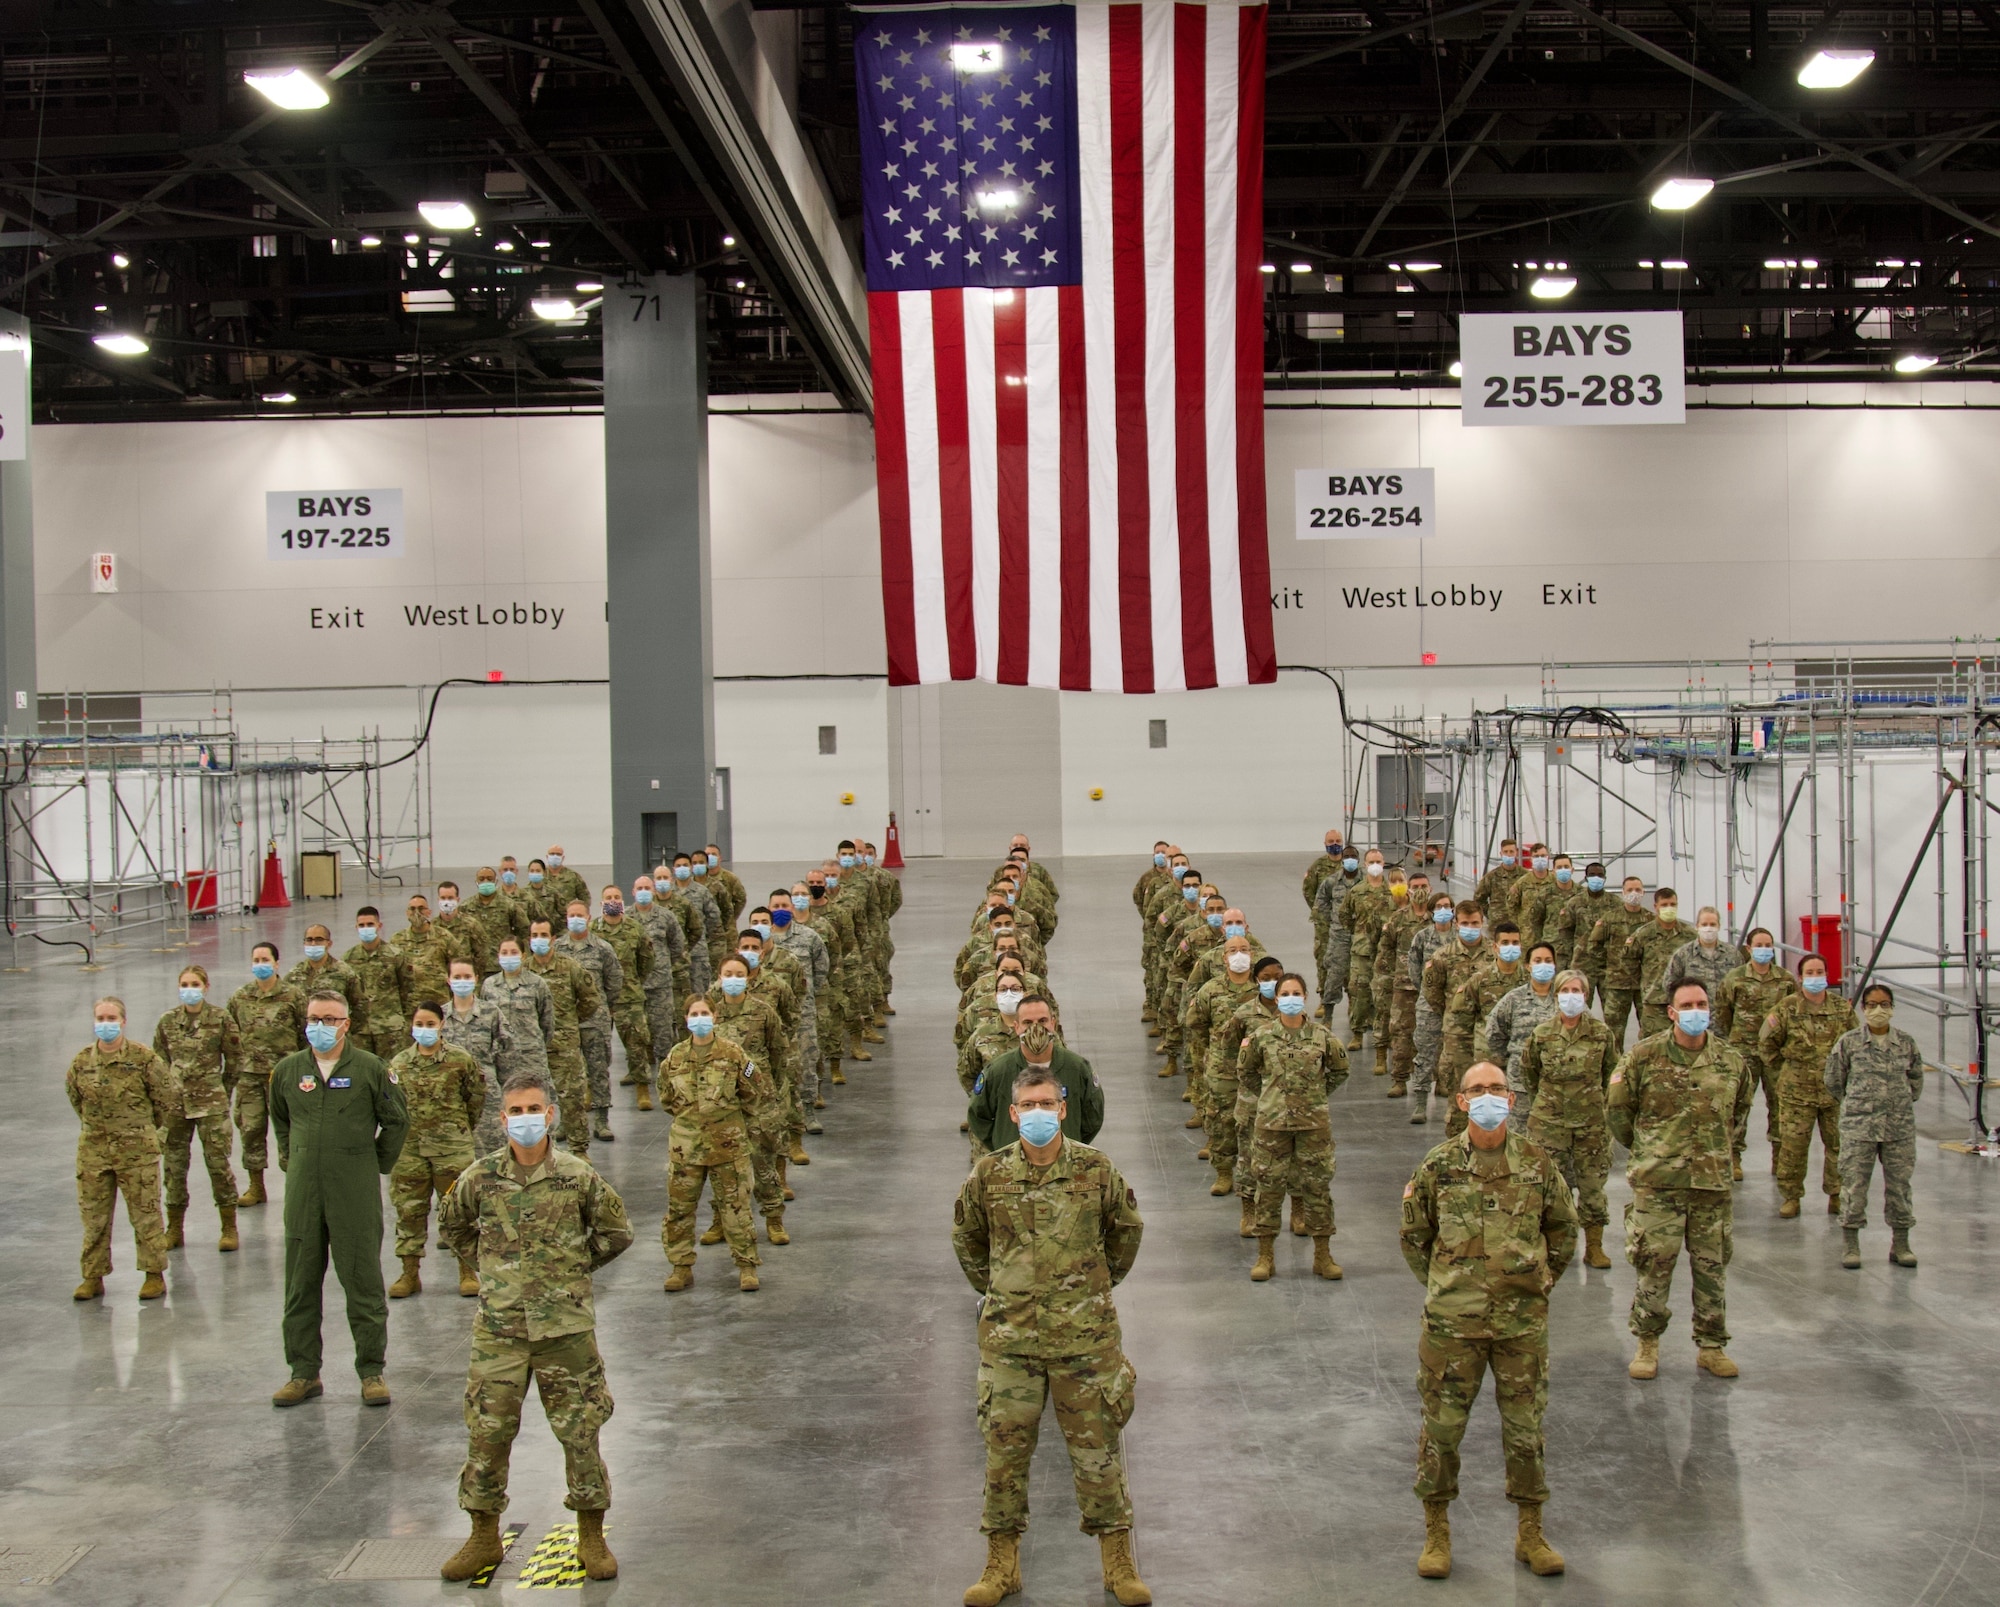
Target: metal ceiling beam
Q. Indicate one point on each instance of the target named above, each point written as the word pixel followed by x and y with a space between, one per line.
pixel 1796 185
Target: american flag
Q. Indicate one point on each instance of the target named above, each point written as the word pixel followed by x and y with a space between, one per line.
pixel 1063 211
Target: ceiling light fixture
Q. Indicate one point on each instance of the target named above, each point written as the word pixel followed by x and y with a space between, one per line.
pixel 446 215
pixel 539 245
pixel 729 239
pixel 1835 69
pixel 1267 267
pixel 281 398
pixel 1682 191
pixel 503 245
pixel 122 345
pixel 1552 286
pixel 589 287
pixel 554 308
pixel 1457 369
pixel 291 89
pixel 120 260
pixel 1915 362
pixel 370 241
pixel 1422 267
pixel 1302 267
pixel 1674 265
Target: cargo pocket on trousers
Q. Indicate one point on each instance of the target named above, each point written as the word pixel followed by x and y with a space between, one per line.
pixel 985 1407
pixel 1118 1388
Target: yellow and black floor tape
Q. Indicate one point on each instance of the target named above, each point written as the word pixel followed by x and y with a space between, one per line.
pixel 554 1564
pixel 508 1536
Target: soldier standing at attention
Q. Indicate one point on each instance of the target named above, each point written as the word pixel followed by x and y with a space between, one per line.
pixel 1292 1069
pixel 1395 989
pixel 1749 996
pixel 1493 885
pixel 536 1223
pixel 1677 1102
pixel 1331 959
pixel 1796 1039
pixel 320 969
pixel 1327 864
pixel 1362 915
pixel 472 1022
pixel 633 944
pixel 667 983
pixel 384 973
pixel 1707 959
pixel 564 886
pixel 1876 1073
pixel 198 1041
pixel 600 960
pixel 1565 1071
pixel 1613 969
pixel 711 1087
pixel 1652 946
pixel 1045 1229
pixel 1488 1230
pixel 340 1117
pixel 271 1022
pixel 444 1094
pixel 123 1094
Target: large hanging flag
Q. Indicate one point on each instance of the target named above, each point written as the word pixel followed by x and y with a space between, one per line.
pixel 1063 212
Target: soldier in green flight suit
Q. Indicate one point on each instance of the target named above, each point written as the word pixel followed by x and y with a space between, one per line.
pixel 339 1119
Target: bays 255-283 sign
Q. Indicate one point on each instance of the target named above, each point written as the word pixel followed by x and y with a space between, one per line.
pixel 1571 368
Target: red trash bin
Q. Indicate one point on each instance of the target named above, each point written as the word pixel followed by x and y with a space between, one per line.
pixel 1820 934
pixel 199 889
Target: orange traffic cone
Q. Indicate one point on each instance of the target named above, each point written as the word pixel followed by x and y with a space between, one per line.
pixel 892 847
pixel 272 895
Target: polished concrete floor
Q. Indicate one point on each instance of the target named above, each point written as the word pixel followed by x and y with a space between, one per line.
pixel 815 1442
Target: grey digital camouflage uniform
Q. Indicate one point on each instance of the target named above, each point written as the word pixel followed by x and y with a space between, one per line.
pixel 600 960
pixel 1710 967
pixel 1488 1233
pixel 482 1032
pixel 122 1097
pixel 669 983
pixel 1046 1245
pixel 809 949
pixel 537 1235
pixel 1334 948
pixel 1876 1078
pixel 1508 1024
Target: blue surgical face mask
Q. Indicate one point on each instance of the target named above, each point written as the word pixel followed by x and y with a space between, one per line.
pixel 426 1037
pixel 579 924
pixel 1350 864
pixel 713 859
pixel 1487 1111
pixel 832 881
pixel 107 1031
pixel 1441 917
pixel 846 861
pixel 540 945
pixel 1291 1005
pixel 1693 1022
pixel 762 929
pixel 263 970
pixel 322 1035
pixel 510 963
pixel 1159 859
pixel 193 995
pixel 700 1026
pixel 555 860
pixel 1543 971
pixel 528 1128
pixel 1233 929
pixel 699 867
pixel 508 877
pixel 534 878
pixel 682 873
pixel 733 986
pixel 463 986
pixel 643 895
pixel 1565 875
pixel 1039 1126
pixel 1510 952
pixel 1571 1004
pixel 1541 862
pixel 1763 954
pixel 1468 934
pixel 1594 883
pixel 1190 893
pixel 1268 988
pixel 750 958
pixel 488 889
pixel 1814 985
pixel 781 918
pixel 1214 918
pixel 367 934
pixel 315 951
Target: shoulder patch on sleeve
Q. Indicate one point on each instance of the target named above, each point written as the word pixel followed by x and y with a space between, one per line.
pixel 391 1070
pixel 1409 1188
pixel 1132 1197
pixel 958 1212
pixel 1618 1075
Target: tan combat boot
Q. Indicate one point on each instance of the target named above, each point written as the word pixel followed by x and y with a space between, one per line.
pixel 1169 1068
pixel 410 1283
pixel 176 1226
pixel 774 1228
pixel 375 1391
pixel 1267 1261
pixel 834 1075
pixel 784 1182
pixel 870 1035
pixel 253 1192
pixel 468 1277
pixel 1247 1227
pixel 1193 1121
pixel 798 1156
pixel 298 1390
pixel 1202 1153
pixel 1354 1040
pixel 1324 1266
pixel 1850 1255
pixel 154 1288
pixel 645 1097
pixel 679 1278
pixel 1399 1088
pixel 1002 1577
pixel 1645 1361
pixel 228 1241
pixel 713 1235
pixel 1121 1575
pixel 1435 1563
pixel 1298 1218
pixel 89 1289
pixel 1788 1208
pixel 746 1278
pixel 1225 1181
pixel 482 1550
pixel 591 1551
pixel 1714 1360
pixel 855 1051
pixel 1593 1248
pixel 1529 1546
pixel 1900 1253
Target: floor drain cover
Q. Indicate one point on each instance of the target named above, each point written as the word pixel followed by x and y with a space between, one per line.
pixel 37 1565
pixel 391 1559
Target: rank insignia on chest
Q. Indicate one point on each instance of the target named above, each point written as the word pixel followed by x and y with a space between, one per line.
pixel 307 1085
pixel 340 1082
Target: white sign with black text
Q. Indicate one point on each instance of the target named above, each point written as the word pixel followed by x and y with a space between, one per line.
pixel 1350 504
pixel 1571 368
pixel 13 404
pixel 333 524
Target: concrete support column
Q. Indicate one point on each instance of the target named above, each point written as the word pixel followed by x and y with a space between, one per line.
pixel 657 571
pixel 18 683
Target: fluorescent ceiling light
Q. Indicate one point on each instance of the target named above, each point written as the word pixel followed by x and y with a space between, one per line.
pixel 589 287
pixel 292 88
pixel 1422 267
pixel 1645 262
pixel 976 58
pixel 1457 369
pixel 120 260
pixel 1682 191
pixel 446 214
pixel 1551 286
pixel 371 240
pixel 1302 267
pixel 280 398
pixel 1914 363
pixel 1267 267
pixel 553 308
pixel 503 245
pixel 1835 69
pixel 729 239
pixel 120 345
pixel 1674 265
pixel 539 245
pixel 428 301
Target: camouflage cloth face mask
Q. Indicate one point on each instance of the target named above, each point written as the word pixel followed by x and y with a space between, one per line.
pixel 1037 1040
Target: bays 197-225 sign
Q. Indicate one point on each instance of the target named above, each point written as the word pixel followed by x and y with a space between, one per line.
pixel 334 524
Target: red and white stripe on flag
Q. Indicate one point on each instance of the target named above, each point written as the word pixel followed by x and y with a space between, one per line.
pixel 1071 477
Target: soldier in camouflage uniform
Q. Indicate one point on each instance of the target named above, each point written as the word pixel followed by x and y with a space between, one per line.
pixel 1491 893
pixel 429 947
pixel 670 979
pixel 630 1010
pixel 754 1026
pixel 1653 946
pixel 1796 1039
pixel 1395 990
pixel 1224 1089
pixel 1677 1102
pixel 536 1225
pixel 772 975
pixel 1328 865
pixel 1197 935
pixel 498 913
pixel 522 998
pixel 539 903
pixel 806 946
pixel 1214 1002
pixel 1150 881
pixel 1537 905
pixel 386 985
pixel 1332 961
pixel 1488 1230
pixel 1876 1073
pixel 564 886
pixel 829 1006
pixel 476 1025
pixel 1464 950
pixel 667 894
pixel 270 1021
pixel 1526 895
pixel 1748 997
pixel 1292 1069
pixel 715 934
pixel 1587 903
pixel 1565 1070
pixel 573 999
pixel 467 930
pixel 1472 1002
pixel 320 969
pixel 1708 959
pixel 198 1041
pixel 1362 915
pixel 727 886
pixel 123 1094
pixel 1516 1014
pixel 1613 968
pixel 577 943
pixel 1425 1027
pixel 712 1087
pixel 1045 1231
pixel 444 1094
